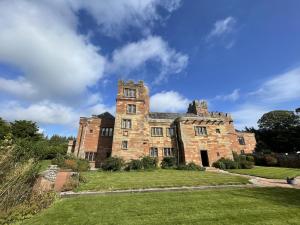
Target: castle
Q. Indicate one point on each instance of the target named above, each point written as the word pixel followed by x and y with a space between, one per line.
pixel 197 136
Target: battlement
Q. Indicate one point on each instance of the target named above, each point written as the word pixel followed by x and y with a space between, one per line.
pixel 220 115
pixel 130 83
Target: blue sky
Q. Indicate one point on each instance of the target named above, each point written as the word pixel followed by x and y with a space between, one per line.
pixel 60 60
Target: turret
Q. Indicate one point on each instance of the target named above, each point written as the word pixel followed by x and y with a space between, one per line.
pixel 198 107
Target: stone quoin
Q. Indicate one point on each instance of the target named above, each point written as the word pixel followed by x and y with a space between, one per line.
pixel 197 136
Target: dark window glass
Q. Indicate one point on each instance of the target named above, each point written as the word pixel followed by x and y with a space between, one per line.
pixel 200 131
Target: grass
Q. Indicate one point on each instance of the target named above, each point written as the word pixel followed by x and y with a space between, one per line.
pixel 269 172
pixel 44 164
pixel 224 206
pixel 99 181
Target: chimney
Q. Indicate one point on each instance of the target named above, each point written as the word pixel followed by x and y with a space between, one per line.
pixel 198 107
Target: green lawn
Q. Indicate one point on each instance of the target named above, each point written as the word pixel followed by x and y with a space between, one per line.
pixel 99 181
pixel 269 172
pixel 44 164
pixel 224 206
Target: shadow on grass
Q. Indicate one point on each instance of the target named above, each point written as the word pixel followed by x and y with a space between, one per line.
pixel 278 196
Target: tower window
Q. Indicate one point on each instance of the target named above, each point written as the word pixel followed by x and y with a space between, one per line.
pixel 200 131
pixel 241 140
pixel 218 131
pixel 153 152
pixel 157 131
pixel 126 124
pixel 124 144
pixel 90 156
pixel 131 108
pixel 130 93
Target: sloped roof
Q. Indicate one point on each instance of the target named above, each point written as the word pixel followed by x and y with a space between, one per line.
pixel 159 115
pixel 106 115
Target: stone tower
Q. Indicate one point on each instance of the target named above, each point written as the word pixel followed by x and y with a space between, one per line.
pixel 132 107
pixel 198 107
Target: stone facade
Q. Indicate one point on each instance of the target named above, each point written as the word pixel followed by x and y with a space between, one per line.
pixel 197 136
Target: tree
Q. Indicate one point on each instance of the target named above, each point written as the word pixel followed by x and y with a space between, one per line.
pixel 25 129
pixel 278 119
pixel 4 128
pixel 279 131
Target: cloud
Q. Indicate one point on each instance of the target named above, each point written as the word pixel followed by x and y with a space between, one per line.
pixel 154 49
pixel 230 97
pixel 248 115
pixel 19 87
pixel 281 88
pixel 168 101
pixel 115 16
pixel 222 32
pixel 41 40
pixel 44 112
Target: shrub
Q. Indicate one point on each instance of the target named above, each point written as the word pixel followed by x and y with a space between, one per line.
pixel 250 158
pixel 270 160
pixel 71 183
pixel 134 164
pixel 82 165
pixel 70 164
pixel 227 163
pixel 168 162
pixel 149 162
pixel 244 164
pixel 190 166
pixel 113 164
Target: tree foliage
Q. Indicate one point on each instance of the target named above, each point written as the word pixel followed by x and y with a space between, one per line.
pixel 25 129
pixel 4 128
pixel 279 131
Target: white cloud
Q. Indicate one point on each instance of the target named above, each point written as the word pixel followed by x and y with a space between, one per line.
pixel 153 48
pixel 281 88
pixel 222 32
pixel 222 27
pixel 248 115
pixel 114 16
pixel 43 112
pixel 230 97
pixel 18 87
pixel 42 41
pixel 168 101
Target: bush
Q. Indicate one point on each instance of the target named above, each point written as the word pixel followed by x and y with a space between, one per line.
pixel 225 164
pixel 70 162
pixel 149 162
pixel 71 183
pixel 250 158
pixel 270 160
pixel 113 164
pixel 190 166
pixel 168 162
pixel 244 164
pixel 82 165
pixel 134 164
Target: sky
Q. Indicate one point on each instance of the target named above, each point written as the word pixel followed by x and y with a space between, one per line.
pixel 61 59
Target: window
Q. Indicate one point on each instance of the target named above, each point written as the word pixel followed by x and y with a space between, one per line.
pixel 153 152
pixel 242 152
pixel 218 154
pixel 168 152
pixel 170 132
pixel 200 131
pixel 156 131
pixel 218 131
pixel 90 156
pixel 124 144
pixel 91 131
pixel 126 124
pixel 130 93
pixel 107 131
pixel 131 109
pixel 241 140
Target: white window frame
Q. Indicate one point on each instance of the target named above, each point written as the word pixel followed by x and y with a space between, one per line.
pixel 131 109
pixel 153 152
pixel 169 151
pixel 200 131
pixel 124 144
pixel 157 132
pixel 90 156
pixel 126 124
pixel 169 133
pixel 129 92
